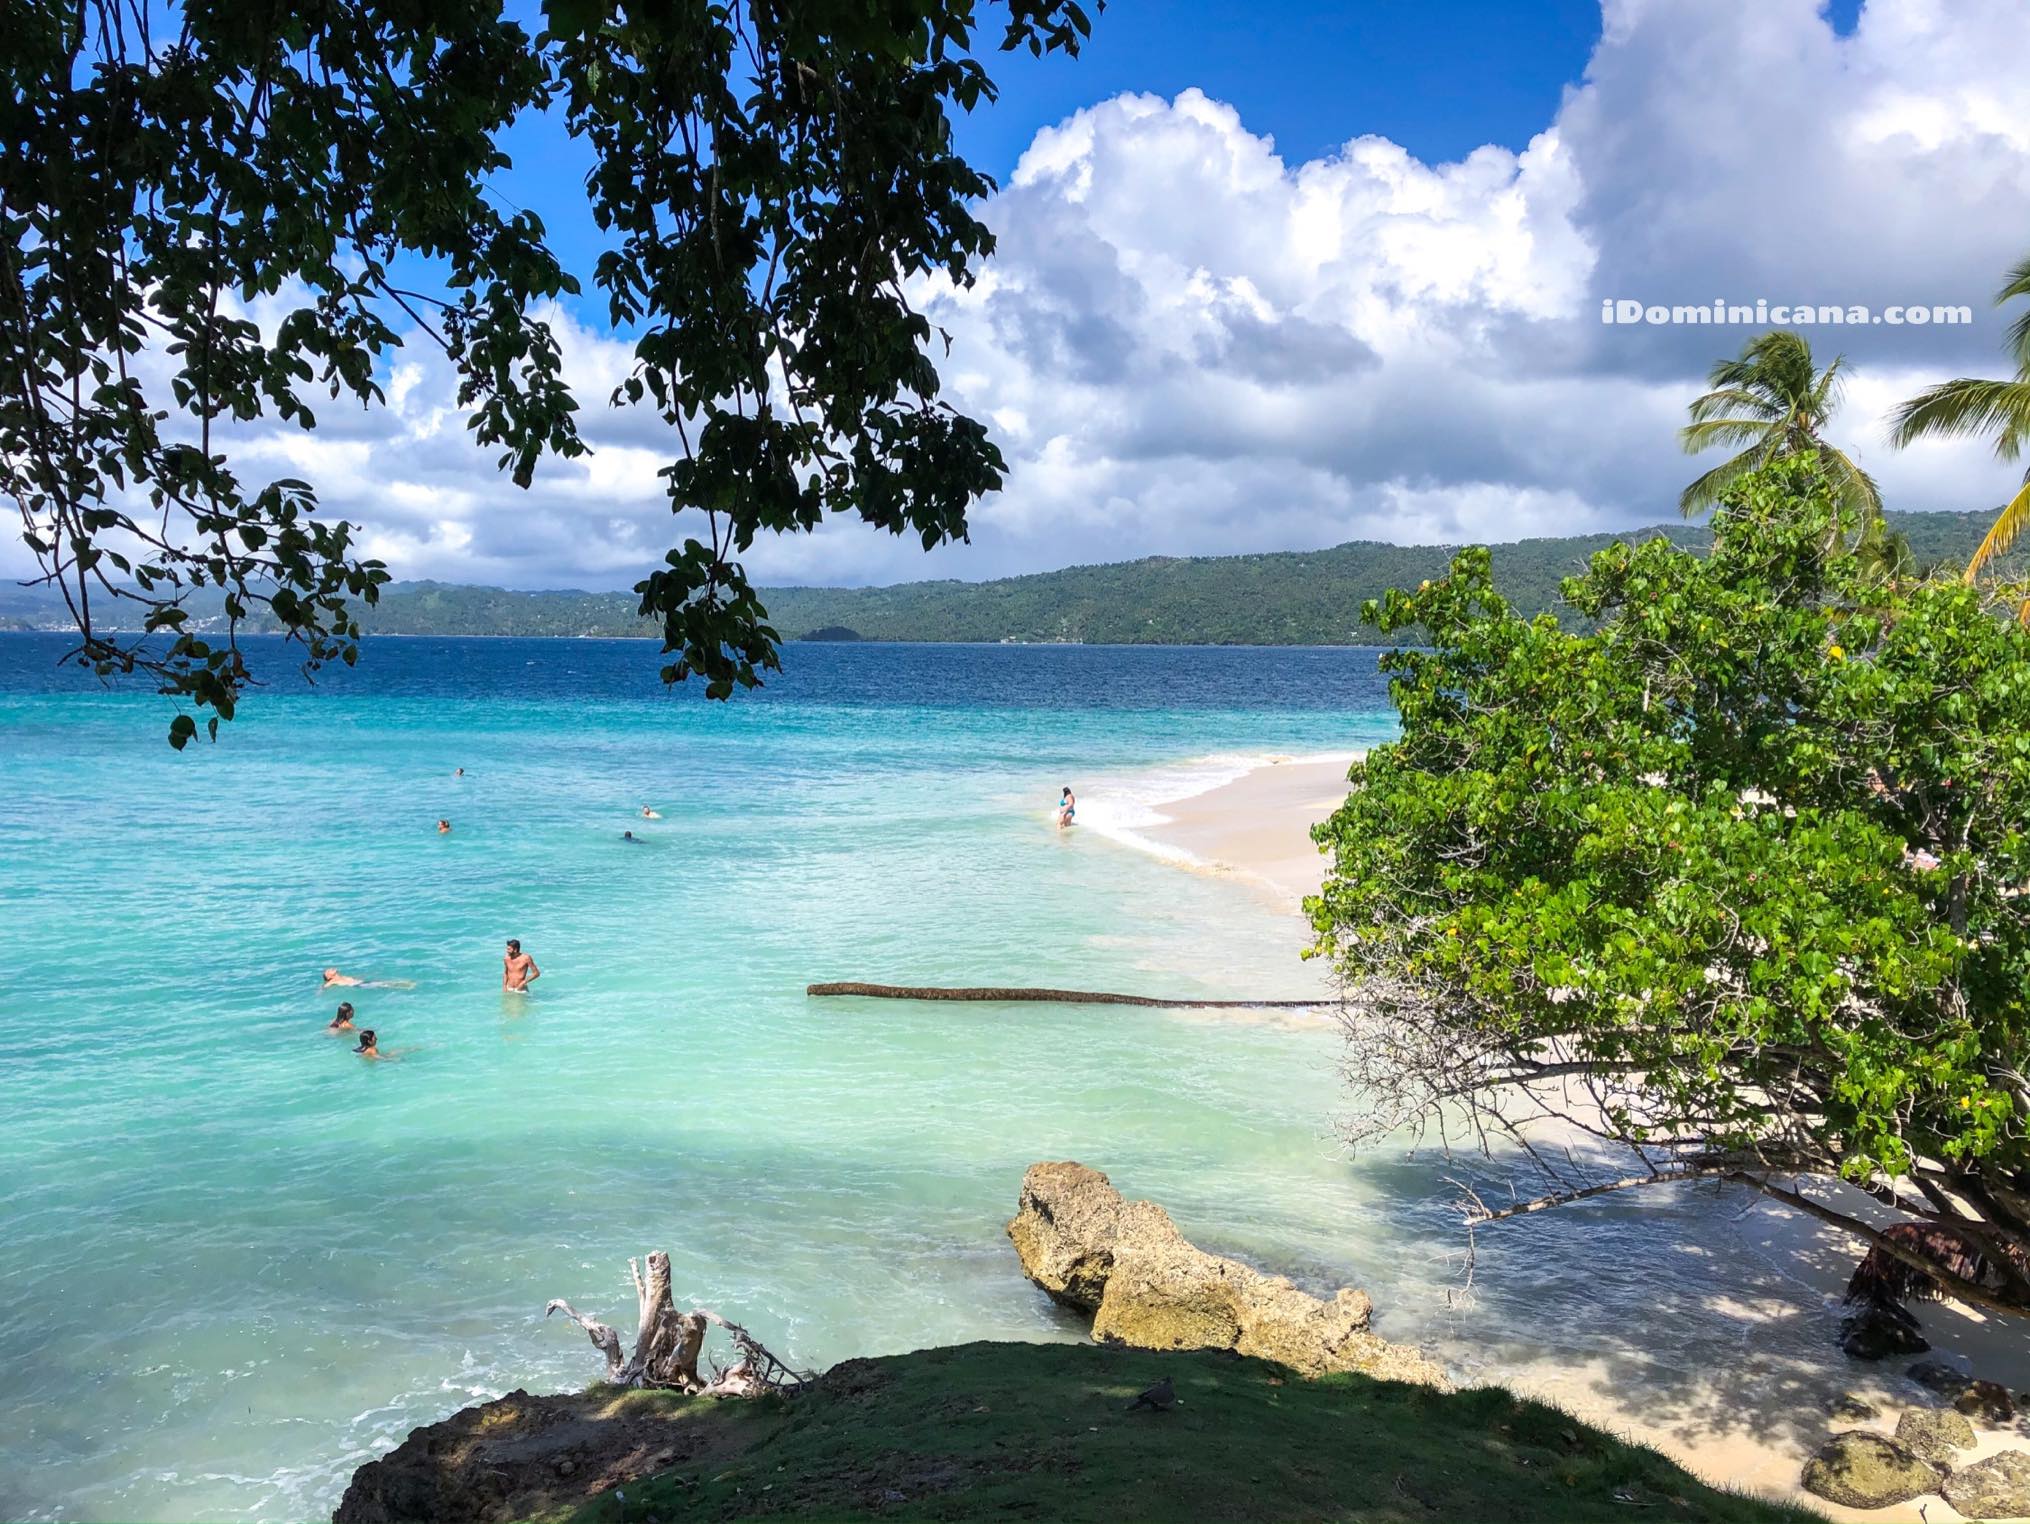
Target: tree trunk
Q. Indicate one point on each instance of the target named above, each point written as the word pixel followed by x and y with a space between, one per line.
pixel 667 1344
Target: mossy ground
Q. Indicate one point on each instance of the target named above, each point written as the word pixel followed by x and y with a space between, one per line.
pixel 1019 1431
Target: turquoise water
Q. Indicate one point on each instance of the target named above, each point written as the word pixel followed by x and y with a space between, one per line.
pixel 238 1260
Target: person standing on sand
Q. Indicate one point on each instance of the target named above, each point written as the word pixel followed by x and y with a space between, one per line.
pixel 1067 808
pixel 518 970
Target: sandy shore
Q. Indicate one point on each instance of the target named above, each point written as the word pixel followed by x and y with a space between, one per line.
pixel 1735 1381
pixel 1258 826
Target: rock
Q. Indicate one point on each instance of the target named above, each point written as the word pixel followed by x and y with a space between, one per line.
pixel 1064 1231
pixel 1996 1488
pixel 1147 1285
pixel 1988 1401
pixel 521 1457
pixel 1937 1376
pixel 1853 1407
pixel 1873 1334
pixel 1862 1470
pixel 1934 1433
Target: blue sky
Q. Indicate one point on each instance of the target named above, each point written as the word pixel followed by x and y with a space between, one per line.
pixel 1441 78
pixel 1277 277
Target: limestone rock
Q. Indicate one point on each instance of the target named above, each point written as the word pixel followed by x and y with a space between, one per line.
pixel 1853 1407
pixel 1934 1433
pixel 1862 1470
pixel 1147 1285
pixel 1996 1488
pixel 1988 1401
pixel 1064 1230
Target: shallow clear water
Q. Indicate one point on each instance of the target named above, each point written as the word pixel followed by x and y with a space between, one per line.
pixel 239 1260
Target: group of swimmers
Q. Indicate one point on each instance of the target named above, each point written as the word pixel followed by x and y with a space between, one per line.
pixel 518 971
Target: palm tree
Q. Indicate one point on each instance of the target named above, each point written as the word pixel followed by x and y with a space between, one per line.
pixel 1772 400
pixel 2002 408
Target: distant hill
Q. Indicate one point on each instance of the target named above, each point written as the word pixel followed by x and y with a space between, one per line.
pixel 1285 598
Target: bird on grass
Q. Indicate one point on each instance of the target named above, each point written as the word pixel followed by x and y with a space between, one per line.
pixel 1160 1398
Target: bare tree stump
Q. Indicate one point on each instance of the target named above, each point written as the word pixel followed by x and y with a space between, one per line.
pixel 667 1344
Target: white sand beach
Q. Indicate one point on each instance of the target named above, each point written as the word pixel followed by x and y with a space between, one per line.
pixel 1732 1371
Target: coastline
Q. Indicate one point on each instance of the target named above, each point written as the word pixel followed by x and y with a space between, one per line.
pixel 1763 1321
pixel 1248 818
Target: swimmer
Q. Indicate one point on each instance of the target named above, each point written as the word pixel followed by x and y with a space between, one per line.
pixel 458 772
pixel 443 828
pixel 629 836
pixel 368 1047
pixel 518 970
pixel 649 814
pixel 342 1022
pixel 1067 808
pixel 333 980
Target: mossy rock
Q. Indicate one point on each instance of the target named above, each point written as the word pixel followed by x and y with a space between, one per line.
pixel 1862 1470
pixel 1996 1488
pixel 1934 1433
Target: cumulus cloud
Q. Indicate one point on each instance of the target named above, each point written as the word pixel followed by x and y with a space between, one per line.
pixel 1186 345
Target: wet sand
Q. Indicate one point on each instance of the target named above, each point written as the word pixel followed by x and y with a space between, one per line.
pixel 1734 1381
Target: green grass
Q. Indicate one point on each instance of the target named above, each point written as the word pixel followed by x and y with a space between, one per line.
pixel 1020 1431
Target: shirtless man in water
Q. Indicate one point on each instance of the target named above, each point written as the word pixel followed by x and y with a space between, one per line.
pixel 518 970
pixel 333 979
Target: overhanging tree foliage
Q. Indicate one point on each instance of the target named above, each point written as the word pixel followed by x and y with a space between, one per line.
pixel 1735 882
pixel 770 173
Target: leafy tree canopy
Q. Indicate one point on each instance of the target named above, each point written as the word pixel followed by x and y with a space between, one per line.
pixel 769 173
pixel 1735 879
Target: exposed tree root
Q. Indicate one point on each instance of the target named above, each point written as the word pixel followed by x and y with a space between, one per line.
pixel 667 1344
pixel 1052 997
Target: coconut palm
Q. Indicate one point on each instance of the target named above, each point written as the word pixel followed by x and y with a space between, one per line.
pixel 1774 401
pixel 2001 408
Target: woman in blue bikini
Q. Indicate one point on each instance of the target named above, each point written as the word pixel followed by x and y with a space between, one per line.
pixel 1067 808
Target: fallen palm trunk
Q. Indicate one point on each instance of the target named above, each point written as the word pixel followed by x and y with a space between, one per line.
pixel 667 1344
pixel 1046 996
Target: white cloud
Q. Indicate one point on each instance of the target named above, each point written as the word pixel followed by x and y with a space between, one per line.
pixel 1186 345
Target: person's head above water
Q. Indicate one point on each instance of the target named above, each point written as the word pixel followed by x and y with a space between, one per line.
pixel 366 1041
pixel 627 836
pixel 344 1016
pixel 443 826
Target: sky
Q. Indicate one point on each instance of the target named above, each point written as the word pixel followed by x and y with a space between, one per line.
pixel 1277 277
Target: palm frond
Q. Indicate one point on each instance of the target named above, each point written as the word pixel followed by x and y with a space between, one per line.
pixel 1707 433
pixel 1968 405
pixel 2009 523
pixel 1732 399
pixel 2017 285
pixel 1705 492
pixel 1856 488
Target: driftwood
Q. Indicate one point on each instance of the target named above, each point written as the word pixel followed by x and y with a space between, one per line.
pixel 1052 997
pixel 667 1344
